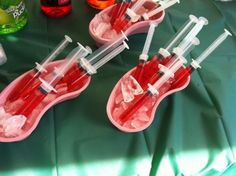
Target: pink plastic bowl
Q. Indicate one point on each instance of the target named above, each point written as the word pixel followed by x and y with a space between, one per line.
pixel 139 27
pixel 115 92
pixel 31 127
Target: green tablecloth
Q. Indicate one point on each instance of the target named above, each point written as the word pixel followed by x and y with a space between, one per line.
pixel 193 132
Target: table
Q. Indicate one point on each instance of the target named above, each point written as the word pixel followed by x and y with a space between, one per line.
pixel 193 132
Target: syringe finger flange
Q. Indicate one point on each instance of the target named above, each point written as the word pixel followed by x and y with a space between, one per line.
pixel 84 63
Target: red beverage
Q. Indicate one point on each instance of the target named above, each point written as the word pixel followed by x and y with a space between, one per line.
pixel 56 8
pixel 100 4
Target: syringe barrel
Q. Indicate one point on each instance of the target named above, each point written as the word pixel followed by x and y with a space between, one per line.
pixel 195 41
pixel 163 5
pixel 181 33
pixel 213 46
pixel 137 5
pixel 59 48
pixel 107 47
pixel 61 70
pixel 171 69
pixel 111 55
pixel 144 55
pixel 193 33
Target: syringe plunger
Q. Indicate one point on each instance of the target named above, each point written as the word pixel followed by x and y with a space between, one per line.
pixel 59 48
pixel 181 33
pixel 213 46
pixel 144 55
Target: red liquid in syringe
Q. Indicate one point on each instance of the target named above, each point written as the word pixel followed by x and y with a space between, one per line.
pixel 121 25
pixel 81 77
pixel 145 71
pixel 31 102
pixel 22 88
pixel 113 13
pixel 134 107
pixel 122 10
pixel 182 76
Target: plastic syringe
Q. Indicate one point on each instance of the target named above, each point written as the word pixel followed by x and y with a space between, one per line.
pixel 153 89
pixel 166 73
pixel 114 11
pixel 111 55
pixel 89 69
pixel 183 49
pixel 130 16
pixel 153 76
pixel 26 83
pixel 182 32
pixel 61 46
pixel 193 33
pixel 144 56
pixel 47 86
pixel 196 63
pixel 163 5
pixel 119 10
pixel 106 48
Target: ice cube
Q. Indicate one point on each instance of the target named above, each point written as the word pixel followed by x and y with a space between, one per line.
pixel 117 112
pixel 127 124
pixel 110 34
pixel 2 112
pixel 142 116
pixel 12 107
pixel 49 98
pixel 118 99
pixel 124 105
pixel 135 86
pixel 126 92
pixel 61 88
pixel 148 104
pixel 136 123
pixel 13 125
pixel 102 28
pixel 3 117
pixel 105 17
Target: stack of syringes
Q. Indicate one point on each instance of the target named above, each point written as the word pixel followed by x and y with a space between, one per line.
pixel 140 90
pixel 50 80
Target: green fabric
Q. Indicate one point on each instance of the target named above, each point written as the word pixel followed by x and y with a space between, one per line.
pixel 193 132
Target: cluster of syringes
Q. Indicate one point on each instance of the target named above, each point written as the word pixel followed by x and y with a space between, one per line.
pixel 127 12
pixel 165 71
pixel 79 65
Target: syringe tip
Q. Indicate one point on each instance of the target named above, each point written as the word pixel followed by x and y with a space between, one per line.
pixel 193 18
pixel 204 20
pixel 227 32
pixel 68 38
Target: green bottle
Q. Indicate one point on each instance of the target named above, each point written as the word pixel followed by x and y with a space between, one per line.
pixel 13 16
